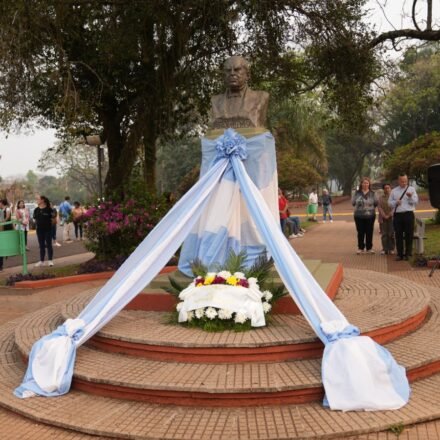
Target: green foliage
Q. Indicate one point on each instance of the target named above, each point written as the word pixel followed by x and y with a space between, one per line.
pixel 175 159
pixel 415 158
pixel 213 325
pixel 139 72
pixel 299 126
pixel 348 151
pixel 411 108
pixel 397 428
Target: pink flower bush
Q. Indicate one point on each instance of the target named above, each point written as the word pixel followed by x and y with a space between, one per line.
pixel 115 229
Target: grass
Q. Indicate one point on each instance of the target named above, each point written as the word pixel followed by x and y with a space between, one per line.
pixel 432 242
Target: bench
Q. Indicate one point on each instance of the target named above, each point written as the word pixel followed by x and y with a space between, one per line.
pixel 12 243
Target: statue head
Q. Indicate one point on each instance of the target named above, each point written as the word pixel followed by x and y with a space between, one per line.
pixel 236 73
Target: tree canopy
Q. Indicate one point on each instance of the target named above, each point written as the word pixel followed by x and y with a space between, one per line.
pixel 137 72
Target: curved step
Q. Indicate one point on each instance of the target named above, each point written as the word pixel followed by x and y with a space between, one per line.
pixel 147 421
pixel 404 306
pixel 241 384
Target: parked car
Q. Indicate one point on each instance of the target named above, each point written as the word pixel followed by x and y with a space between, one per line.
pixel 31 207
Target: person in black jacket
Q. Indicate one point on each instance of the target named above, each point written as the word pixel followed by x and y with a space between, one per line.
pixel 44 216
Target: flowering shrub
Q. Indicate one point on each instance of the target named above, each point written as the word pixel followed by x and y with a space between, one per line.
pixel 115 229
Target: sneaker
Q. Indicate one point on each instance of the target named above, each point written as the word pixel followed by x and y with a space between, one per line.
pixel 383 253
pixel 50 263
pixel 331 221
pixel 391 252
pixel 300 234
pixel 370 251
pixel 324 221
pixel 28 248
pixel 39 264
pixel 57 244
pixel 359 251
pixel 293 236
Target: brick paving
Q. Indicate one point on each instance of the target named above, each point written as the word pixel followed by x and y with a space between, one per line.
pixel 303 421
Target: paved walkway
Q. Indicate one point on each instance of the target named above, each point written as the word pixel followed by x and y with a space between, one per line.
pixel 332 242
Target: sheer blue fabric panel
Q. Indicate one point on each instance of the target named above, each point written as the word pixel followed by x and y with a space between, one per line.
pixel 55 352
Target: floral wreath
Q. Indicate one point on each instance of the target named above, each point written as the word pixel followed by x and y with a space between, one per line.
pixel 211 318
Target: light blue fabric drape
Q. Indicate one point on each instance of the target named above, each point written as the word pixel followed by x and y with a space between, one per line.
pixel 357 372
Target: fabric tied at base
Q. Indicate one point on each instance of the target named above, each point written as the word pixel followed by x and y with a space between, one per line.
pixel 51 362
pixel 359 374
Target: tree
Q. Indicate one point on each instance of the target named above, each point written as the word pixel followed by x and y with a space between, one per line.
pixel 298 126
pixel 415 158
pixel 412 106
pixel 139 70
pixel 78 164
pixel 136 71
pixel 348 152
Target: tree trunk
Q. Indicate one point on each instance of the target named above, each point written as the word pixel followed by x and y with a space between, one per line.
pixel 346 191
pixel 122 151
pixel 149 141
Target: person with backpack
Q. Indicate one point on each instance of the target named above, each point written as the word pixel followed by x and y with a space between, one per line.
pixel 65 211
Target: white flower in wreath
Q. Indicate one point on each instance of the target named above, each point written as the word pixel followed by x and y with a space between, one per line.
pixel 266 307
pixel 240 275
pixel 190 316
pixel 240 318
pixel 267 295
pixel 210 274
pixel 253 282
pixel 224 274
pixel 225 314
pixel 210 312
pixel 200 313
pixel 179 306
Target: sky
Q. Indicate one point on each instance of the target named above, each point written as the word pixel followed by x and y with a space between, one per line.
pixel 20 153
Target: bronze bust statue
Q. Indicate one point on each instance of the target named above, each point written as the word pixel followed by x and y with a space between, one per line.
pixel 239 106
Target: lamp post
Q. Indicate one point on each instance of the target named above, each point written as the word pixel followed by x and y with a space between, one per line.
pixel 95 140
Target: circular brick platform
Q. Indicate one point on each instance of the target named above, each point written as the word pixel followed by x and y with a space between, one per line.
pixel 119 418
pixel 181 366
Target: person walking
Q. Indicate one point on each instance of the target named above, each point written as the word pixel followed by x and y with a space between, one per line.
pixel 312 207
pixel 327 206
pixel 44 218
pixel 65 211
pixel 22 215
pixel 77 213
pixel 386 227
pixel 403 200
pixel 55 228
pixel 364 201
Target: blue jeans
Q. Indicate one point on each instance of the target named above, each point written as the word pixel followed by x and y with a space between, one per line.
pixel 327 209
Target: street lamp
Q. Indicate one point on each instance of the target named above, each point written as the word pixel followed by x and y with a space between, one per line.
pixel 95 140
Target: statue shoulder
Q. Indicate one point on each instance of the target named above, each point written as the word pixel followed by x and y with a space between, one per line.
pixel 259 95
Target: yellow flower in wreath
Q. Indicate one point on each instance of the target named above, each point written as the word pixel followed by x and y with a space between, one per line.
pixel 209 280
pixel 232 281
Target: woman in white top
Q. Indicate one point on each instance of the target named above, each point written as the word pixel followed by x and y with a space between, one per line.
pixel 23 216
